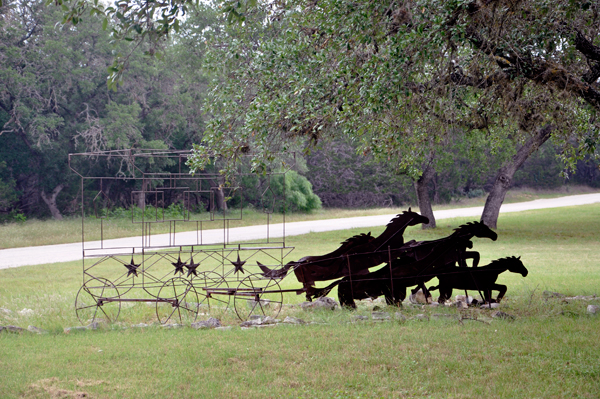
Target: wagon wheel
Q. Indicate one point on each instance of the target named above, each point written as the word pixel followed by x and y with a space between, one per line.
pixel 257 295
pixel 177 299
pixel 97 299
pixel 213 303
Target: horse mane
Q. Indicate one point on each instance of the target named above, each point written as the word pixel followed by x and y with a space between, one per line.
pixel 352 242
pixel 397 218
pixel 394 226
pixel 468 225
pixel 497 262
pixel 358 239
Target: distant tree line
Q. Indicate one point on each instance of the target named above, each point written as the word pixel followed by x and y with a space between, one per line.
pixel 343 178
pixel 54 100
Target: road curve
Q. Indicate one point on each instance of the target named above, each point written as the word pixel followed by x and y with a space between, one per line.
pixel 16 257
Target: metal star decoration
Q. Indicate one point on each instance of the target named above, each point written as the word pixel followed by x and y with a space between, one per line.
pixel 238 265
pixel 132 268
pixel 179 265
pixel 192 268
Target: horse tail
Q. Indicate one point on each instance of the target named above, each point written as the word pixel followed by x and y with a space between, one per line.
pixel 433 288
pixel 319 292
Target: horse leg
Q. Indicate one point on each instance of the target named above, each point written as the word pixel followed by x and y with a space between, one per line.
pixel 421 286
pixel 395 297
pixel 425 292
pixel 345 296
pixel 310 291
pixel 473 255
pixel 435 287
pixel 389 295
pixel 487 295
pixel 445 294
pixel 501 291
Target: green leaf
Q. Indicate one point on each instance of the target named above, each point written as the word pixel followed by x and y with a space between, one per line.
pixel 105 24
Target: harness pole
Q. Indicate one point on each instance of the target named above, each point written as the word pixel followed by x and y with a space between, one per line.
pixel 350 275
pixel 391 275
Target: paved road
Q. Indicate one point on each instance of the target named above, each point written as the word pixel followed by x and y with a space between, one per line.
pixel 16 257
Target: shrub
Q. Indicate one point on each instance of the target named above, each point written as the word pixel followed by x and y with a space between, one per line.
pixel 297 191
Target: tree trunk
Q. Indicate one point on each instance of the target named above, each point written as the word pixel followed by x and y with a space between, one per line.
pixel 219 197
pixel 423 200
pixel 51 201
pixel 505 175
pixel 221 203
pixel 141 197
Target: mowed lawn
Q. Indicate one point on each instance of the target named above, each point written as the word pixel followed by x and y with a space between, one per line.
pixel 549 350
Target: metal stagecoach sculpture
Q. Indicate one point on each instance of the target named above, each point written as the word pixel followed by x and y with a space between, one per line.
pixel 189 260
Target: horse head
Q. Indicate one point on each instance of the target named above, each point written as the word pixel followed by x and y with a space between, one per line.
pixel 407 218
pixel 516 266
pixel 477 229
pixel 414 217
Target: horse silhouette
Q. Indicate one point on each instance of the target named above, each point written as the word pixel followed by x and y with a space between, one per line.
pixel 482 279
pixel 418 263
pixel 357 254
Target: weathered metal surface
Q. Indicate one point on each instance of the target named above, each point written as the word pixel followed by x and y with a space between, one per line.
pixel 176 270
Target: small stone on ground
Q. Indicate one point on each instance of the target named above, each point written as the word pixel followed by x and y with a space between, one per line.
pixel 399 316
pixel 380 316
pixel 501 315
pixel 36 330
pixel 321 303
pixel 205 324
pixel 293 320
pixel 550 294
pixel 224 328
pixel 490 306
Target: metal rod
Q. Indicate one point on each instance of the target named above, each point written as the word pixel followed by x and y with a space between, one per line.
pixel 391 275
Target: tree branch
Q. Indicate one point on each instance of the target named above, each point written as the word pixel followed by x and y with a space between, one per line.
pixel 537 70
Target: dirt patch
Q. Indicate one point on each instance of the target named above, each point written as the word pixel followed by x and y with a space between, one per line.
pixel 88 383
pixel 50 388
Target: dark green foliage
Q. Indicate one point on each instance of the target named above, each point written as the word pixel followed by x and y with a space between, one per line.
pixel 542 170
pixel 587 173
pixel 297 191
pixel 54 101
pixel 8 194
pixel 268 193
pixel 343 178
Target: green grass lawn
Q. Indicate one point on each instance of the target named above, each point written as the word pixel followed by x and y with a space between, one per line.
pixel 550 350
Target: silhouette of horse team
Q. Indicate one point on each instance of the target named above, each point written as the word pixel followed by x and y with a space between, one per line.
pixel 403 265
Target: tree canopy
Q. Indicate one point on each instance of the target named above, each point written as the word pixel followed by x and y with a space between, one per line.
pixel 407 79
pixel 512 66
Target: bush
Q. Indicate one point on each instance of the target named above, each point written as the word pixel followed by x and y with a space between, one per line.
pixel 297 191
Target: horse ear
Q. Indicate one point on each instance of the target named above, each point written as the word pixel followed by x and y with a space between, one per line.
pixel 409 209
pixel 519 257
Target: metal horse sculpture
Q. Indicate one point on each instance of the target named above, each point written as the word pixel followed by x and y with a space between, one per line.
pixel 418 263
pixel 426 259
pixel 356 255
pixel 482 279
